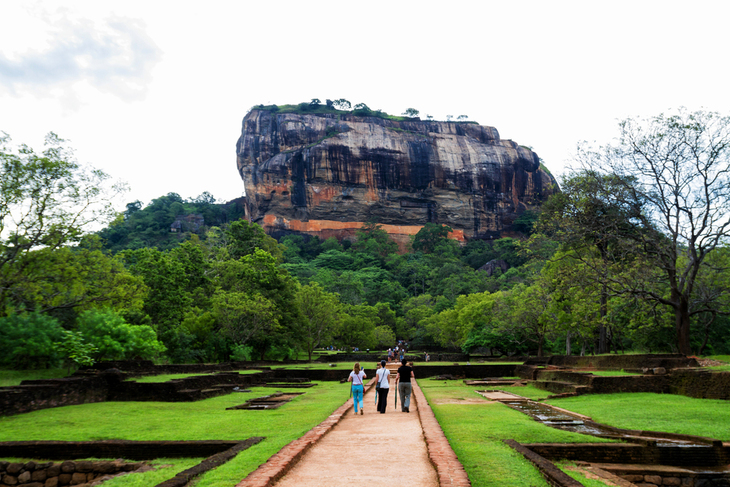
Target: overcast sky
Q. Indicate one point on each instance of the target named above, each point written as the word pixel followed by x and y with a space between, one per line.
pixel 154 92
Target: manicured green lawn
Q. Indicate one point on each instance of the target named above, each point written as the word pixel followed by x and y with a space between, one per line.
pixel 654 412
pixel 15 377
pixel 612 373
pixel 476 431
pixel 202 420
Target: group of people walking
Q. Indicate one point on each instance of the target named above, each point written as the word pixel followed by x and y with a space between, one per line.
pixel 382 386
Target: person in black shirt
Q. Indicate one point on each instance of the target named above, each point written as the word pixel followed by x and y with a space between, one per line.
pixel 403 382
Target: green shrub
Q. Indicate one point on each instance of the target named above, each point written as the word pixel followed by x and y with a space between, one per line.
pixel 115 338
pixel 27 340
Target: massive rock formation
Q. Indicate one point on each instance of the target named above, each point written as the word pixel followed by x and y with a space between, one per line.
pixel 328 174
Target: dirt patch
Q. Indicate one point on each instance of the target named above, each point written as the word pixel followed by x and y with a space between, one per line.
pixel 710 363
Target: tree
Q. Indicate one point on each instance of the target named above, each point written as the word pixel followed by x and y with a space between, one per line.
pixel 320 311
pixel 46 201
pixel 678 168
pixel 27 340
pixel 315 102
pixel 114 338
pixel 74 351
pixel 342 104
pixel 411 112
pixel 243 238
pixel 463 117
pixel 243 317
pixel 429 237
pixel 449 117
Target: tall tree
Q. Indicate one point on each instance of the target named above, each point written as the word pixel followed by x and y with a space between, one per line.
pixel 320 312
pixel 678 167
pixel 47 201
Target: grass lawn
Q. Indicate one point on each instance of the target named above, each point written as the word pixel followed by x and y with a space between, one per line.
pixel 15 377
pixel 612 373
pixel 476 431
pixel 202 420
pixel 654 412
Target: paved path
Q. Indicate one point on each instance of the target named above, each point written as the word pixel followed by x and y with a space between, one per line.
pixel 366 450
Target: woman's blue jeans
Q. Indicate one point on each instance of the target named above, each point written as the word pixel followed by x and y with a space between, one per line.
pixel 357 396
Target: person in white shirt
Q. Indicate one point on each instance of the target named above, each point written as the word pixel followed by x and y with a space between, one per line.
pixel 383 378
pixel 356 377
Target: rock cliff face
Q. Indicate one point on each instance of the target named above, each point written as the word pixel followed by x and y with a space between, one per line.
pixel 328 174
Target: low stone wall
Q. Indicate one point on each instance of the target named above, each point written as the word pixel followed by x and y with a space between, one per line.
pixel 420 370
pixel 656 476
pixel 133 450
pixel 710 456
pixel 34 474
pixel 33 395
pixel 378 356
pixel 51 474
pixel 42 394
pixel 659 384
pixel 700 384
pixel 618 362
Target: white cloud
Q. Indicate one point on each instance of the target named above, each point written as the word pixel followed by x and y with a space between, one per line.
pixel 113 55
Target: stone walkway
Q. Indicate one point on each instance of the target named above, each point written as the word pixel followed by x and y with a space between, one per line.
pixel 408 449
pixel 366 450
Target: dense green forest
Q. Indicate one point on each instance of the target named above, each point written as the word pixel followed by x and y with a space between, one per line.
pixel 616 262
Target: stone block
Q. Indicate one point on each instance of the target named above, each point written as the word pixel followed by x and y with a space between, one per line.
pixel 78 478
pixel 671 481
pixel 10 480
pixel 51 482
pixel 30 466
pixel 688 482
pixel 33 484
pixel 64 479
pixel 38 476
pixel 14 468
pixel 653 479
pixel 632 478
pixel 54 470
pixel 43 466
pixel 84 466
pixel 90 476
pixel 24 477
pixel 660 371
pixel 68 467
pixel 105 467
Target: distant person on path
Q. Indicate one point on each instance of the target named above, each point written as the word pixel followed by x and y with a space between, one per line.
pixel 403 382
pixel 383 378
pixel 356 377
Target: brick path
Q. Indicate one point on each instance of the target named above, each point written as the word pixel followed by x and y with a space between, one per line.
pixel 408 449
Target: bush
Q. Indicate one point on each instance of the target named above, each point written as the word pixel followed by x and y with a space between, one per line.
pixel 27 340
pixel 116 339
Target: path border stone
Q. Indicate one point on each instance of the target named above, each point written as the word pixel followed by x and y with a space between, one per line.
pixel 449 469
pixel 280 463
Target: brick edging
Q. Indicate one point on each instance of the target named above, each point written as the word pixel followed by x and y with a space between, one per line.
pixel 449 469
pixel 280 463
pixel 549 471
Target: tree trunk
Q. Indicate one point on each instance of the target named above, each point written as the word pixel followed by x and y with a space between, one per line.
pixel 539 345
pixel 568 351
pixel 681 315
pixel 602 338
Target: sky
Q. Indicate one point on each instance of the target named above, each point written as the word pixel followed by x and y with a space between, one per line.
pixel 154 93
